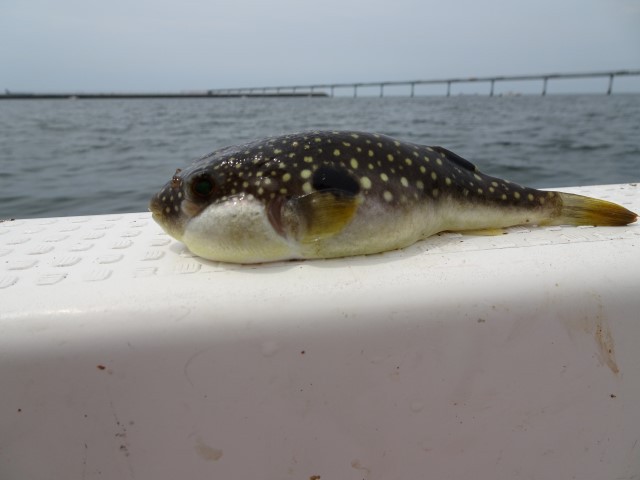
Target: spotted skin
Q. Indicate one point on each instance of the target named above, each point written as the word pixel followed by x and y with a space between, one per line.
pixel 330 194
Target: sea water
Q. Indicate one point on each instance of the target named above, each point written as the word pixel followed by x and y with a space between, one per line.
pixel 80 157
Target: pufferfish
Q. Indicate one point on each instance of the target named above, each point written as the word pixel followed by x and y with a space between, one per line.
pixel 324 194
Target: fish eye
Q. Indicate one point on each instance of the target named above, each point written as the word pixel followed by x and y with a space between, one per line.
pixel 202 186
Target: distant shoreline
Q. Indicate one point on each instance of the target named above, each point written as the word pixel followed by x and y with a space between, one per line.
pixel 128 96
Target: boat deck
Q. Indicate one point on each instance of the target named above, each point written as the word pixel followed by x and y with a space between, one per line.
pixel 122 355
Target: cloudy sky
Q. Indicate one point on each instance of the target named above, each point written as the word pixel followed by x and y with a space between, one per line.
pixel 165 45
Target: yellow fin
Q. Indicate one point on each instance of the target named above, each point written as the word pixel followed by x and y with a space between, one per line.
pixel 484 232
pixel 326 213
pixel 580 210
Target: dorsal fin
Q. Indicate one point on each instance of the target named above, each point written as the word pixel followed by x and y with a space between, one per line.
pixel 455 158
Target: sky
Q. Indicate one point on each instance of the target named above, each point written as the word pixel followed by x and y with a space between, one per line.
pixel 186 45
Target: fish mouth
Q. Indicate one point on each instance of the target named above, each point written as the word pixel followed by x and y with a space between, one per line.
pixel 158 213
pixel 172 223
pixel 156 209
pixel 156 217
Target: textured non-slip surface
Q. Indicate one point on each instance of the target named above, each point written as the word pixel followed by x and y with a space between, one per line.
pixel 489 357
pixel 50 251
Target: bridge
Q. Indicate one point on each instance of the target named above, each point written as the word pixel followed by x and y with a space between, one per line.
pixel 330 88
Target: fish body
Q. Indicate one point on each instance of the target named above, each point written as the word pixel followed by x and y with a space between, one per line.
pixel 324 194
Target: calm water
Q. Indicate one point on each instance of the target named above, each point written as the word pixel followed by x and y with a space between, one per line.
pixel 64 157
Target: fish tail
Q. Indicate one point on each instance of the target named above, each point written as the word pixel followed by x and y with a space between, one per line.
pixel 574 209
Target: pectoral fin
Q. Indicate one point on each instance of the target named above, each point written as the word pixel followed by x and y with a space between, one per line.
pixel 325 213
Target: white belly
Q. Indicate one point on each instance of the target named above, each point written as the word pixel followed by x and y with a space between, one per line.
pixel 239 231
